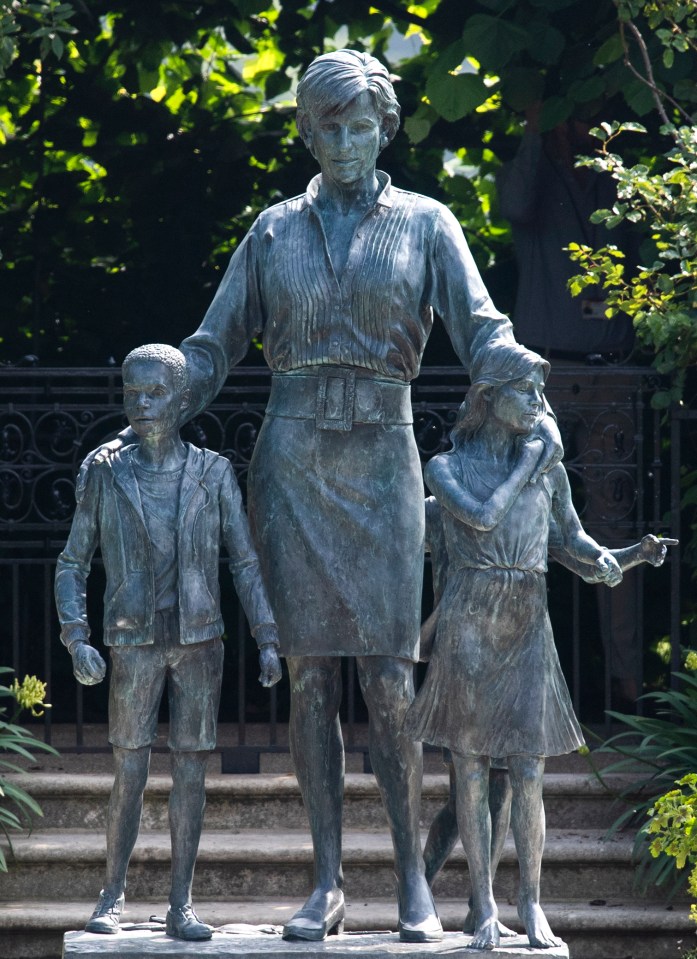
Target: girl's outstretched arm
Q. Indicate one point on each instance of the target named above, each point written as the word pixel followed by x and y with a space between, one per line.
pixel 576 542
pixel 442 475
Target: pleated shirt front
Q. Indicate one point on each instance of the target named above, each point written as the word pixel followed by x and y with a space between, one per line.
pixel 408 258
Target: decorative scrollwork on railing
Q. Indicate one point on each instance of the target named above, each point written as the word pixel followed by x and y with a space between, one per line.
pixel 432 430
pixel 51 420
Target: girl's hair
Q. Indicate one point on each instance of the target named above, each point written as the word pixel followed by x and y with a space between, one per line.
pixel 499 364
pixel 333 80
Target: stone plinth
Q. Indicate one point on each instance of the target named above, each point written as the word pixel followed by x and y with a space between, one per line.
pixel 249 942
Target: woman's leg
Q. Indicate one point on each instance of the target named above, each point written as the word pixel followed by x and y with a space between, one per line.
pixel 318 757
pixel 528 823
pixel 474 819
pixel 387 684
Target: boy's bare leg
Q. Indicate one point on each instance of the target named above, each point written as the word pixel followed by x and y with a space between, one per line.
pixel 123 814
pixel 474 819
pixel 528 822
pixel 187 802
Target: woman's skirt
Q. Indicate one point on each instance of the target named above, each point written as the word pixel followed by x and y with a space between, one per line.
pixel 338 521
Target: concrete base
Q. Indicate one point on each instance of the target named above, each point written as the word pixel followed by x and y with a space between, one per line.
pixel 265 942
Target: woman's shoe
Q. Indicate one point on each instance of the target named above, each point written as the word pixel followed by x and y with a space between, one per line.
pixel 316 922
pixel 426 929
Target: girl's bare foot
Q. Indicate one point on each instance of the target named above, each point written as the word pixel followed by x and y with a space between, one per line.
pixel 540 936
pixel 470 926
pixel 486 935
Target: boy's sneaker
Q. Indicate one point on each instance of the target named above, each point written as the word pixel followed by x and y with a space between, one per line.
pixel 106 915
pixel 183 923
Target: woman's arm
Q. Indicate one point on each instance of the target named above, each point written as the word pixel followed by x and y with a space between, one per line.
pixel 446 486
pixel 232 319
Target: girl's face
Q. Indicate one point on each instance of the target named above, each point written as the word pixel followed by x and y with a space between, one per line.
pixel 518 405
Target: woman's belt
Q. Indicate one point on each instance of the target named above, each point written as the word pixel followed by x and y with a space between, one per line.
pixel 336 397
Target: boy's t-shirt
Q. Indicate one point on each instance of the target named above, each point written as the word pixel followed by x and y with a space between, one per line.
pixel 159 495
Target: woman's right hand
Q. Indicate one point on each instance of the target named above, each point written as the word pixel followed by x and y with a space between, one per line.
pixel 105 452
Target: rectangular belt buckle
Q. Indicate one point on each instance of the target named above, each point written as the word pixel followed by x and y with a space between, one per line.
pixel 336 390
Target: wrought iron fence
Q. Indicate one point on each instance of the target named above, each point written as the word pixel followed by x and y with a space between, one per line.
pixel 50 419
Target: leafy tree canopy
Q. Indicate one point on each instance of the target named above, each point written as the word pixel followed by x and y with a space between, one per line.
pixel 138 141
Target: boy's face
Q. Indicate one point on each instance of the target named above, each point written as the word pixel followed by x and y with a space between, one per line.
pixel 519 405
pixel 151 401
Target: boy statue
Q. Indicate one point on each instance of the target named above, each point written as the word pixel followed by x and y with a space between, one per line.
pixel 158 511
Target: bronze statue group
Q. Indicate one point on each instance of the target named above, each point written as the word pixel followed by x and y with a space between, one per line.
pixel 341 283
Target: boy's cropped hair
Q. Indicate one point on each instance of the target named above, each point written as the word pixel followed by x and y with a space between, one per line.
pixel 169 356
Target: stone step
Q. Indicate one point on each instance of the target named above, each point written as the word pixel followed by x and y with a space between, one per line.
pixel 73 801
pixel 261 863
pixel 611 929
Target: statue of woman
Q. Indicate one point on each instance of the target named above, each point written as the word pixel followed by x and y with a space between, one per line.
pixel 341 283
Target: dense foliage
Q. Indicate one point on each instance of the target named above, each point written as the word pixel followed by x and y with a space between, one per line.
pixel 138 141
pixel 659 192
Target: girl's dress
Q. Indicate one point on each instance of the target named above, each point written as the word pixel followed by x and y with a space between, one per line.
pixel 494 686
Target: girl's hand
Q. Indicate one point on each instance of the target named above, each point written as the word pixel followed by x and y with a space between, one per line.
pixel 608 568
pixel 531 449
pixel 653 549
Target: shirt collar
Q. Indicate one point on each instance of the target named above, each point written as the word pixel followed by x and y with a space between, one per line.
pixel 384 197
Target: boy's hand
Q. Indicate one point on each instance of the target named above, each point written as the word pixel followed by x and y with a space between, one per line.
pixel 270 665
pixel 608 569
pixel 653 549
pixel 88 666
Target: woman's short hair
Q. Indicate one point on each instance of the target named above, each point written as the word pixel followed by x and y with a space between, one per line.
pixel 333 80
pixel 169 356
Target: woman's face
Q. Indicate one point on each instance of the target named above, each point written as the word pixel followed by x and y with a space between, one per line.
pixel 518 405
pixel 346 144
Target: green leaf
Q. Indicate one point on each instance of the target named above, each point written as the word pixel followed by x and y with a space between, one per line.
pixel 417 129
pixel 493 41
pixel 610 51
pixel 545 42
pixel 521 87
pixel 554 111
pixel 453 96
pixel 589 89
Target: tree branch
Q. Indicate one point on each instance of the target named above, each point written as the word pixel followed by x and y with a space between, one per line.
pixel 649 80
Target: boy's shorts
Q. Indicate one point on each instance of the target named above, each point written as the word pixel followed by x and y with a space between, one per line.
pixel 193 674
